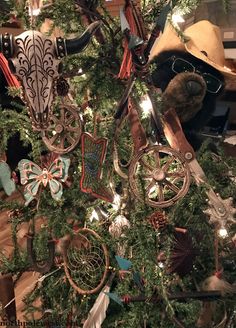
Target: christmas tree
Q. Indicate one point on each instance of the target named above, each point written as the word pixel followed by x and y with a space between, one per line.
pixel 109 217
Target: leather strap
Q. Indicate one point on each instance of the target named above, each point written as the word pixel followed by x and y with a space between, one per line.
pixel 175 136
pixel 136 129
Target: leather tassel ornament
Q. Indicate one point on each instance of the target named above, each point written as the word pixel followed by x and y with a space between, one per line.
pixel 97 314
pixel 213 282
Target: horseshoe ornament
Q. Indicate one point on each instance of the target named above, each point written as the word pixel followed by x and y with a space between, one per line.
pixel 40 266
pixel 64 131
pixel 159 176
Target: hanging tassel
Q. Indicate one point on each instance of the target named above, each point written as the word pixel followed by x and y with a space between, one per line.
pixel 214 282
pixel 11 79
pixel 97 314
pixel 126 65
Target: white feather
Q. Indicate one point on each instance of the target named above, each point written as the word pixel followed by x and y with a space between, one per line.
pixel 97 314
pixel 231 140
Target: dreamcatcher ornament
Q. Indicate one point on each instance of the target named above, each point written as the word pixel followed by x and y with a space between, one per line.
pixel 54 173
pixel 86 261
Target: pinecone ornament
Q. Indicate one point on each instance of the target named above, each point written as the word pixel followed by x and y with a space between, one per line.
pixel 158 220
pixel 62 87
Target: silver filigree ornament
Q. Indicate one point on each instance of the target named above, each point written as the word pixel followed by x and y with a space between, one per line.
pixel 34 59
pixel 221 212
pixel 36 66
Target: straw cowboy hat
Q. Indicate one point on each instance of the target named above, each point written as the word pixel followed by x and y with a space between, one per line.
pixel 203 40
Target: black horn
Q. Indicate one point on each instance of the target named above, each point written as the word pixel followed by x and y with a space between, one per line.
pixel 6 45
pixel 74 46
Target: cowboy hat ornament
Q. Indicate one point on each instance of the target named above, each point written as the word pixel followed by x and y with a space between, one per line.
pixel 202 40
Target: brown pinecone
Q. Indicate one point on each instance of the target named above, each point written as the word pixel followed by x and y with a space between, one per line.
pixel 158 220
pixel 62 87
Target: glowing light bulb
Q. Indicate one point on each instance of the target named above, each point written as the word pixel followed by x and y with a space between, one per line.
pixel 116 202
pixel 222 232
pixel 177 18
pixel 94 216
pixel 146 105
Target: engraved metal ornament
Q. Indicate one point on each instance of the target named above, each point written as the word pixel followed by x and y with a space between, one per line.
pixel 36 66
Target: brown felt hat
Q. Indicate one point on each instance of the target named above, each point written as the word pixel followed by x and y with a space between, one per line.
pixel 201 38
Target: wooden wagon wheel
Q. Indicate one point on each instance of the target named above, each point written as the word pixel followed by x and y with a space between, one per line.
pixel 86 262
pixel 64 131
pixel 159 176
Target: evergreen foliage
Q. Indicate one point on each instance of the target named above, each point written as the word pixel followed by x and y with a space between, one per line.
pixel 93 73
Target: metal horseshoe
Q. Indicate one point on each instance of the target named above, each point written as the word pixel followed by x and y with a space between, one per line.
pixel 44 266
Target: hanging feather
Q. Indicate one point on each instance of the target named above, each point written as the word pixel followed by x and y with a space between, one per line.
pixel 97 314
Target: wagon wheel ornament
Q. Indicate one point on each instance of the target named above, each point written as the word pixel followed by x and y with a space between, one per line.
pixel 64 131
pixel 159 176
pixel 86 262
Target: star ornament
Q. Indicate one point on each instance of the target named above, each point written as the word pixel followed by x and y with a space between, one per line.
pixel 221 213
pixel 33 176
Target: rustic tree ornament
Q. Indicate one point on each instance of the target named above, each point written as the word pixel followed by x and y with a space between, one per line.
pixel 34 58
pixel 86 261
pixel 182 254
pixel 64 130
pixel 62 87
pixel 40 266
pixel 158 220
pixel 159 176
pixel 33 176
pixel 93 155
pixel 6 181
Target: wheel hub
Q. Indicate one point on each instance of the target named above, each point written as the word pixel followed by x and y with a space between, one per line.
pixel 159 175
pixel 59 128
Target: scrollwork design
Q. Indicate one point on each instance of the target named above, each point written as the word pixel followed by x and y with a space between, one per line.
pixel 37 68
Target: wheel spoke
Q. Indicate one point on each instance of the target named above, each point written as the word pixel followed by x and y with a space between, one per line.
pixel 171 186
pixel 62 141
pixel 147 166
pixel 69 120
pixel 160 192
pixel 150 186
pixel 76 129
pixel 53 122
pixel 178 174
pixel 62 114
pixel 70 139
pixel 166 166
pixel 147 176
pixel 54 139
pixel 157 158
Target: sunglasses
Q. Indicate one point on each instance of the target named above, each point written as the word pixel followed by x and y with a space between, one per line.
pixel 179 65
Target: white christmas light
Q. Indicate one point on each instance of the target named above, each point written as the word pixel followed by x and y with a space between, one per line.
pixel 177 18
pixel 116 202
pixel 94 216
pixel 146 105
pixel 222 232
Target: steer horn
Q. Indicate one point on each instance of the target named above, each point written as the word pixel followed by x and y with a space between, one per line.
pixel 73 46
